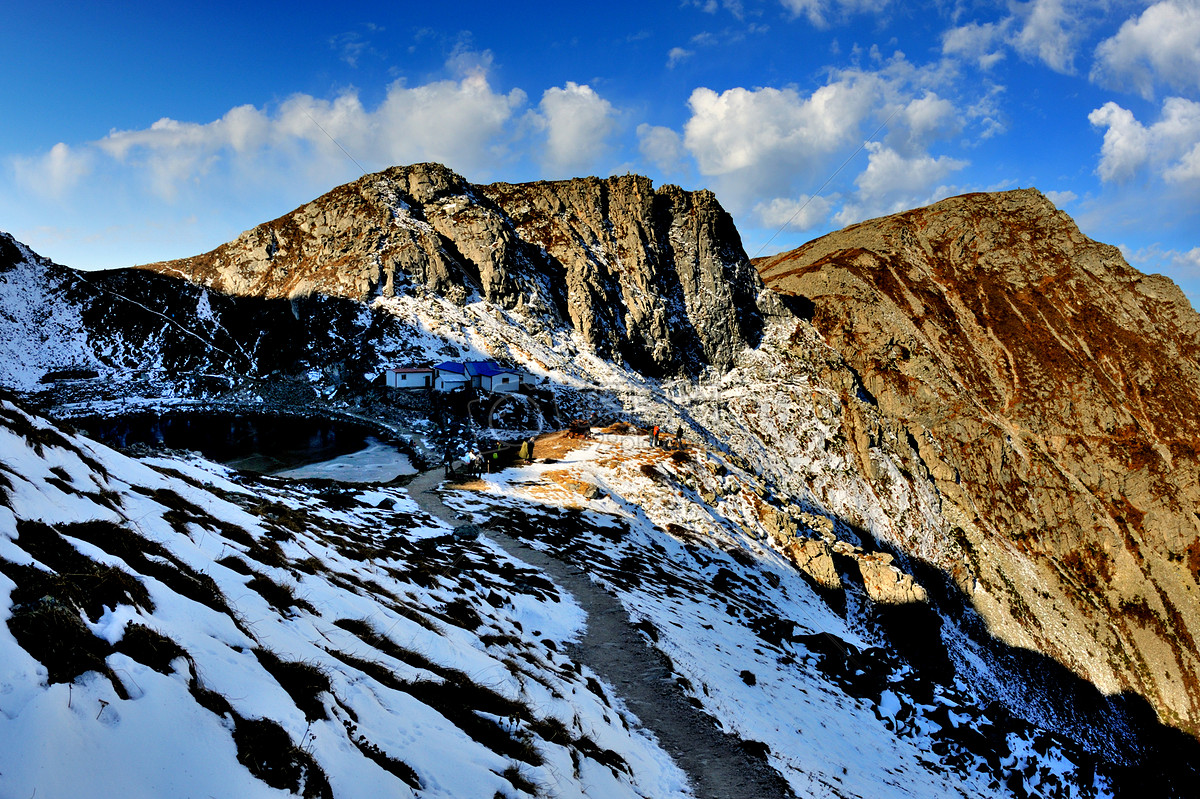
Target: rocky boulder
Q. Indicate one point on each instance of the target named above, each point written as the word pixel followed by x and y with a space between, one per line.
pixel 814 558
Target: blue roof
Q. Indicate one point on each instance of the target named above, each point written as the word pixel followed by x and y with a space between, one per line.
pixel 486 369
pixel 475 368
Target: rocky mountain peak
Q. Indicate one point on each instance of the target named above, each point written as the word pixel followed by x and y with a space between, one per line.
pixel 653 277
pixel 1053 393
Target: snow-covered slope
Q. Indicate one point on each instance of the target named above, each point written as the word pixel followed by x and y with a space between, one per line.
pixel 182 630
pixel 42 331
pixel 171 632
pixel 790 668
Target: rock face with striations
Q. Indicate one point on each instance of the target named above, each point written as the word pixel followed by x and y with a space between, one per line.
pixel 654 278
pixel 1053 394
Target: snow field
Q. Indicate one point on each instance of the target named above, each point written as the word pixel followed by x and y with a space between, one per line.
pixel 836 715
pixel 432 665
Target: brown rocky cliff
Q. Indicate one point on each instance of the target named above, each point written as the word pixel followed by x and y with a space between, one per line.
pixel 1053 393
pixel 665 262
pixel 653 277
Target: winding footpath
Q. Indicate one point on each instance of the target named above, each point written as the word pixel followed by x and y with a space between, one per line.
pixel 715 763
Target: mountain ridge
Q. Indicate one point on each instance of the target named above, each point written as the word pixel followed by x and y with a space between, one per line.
pixel 1050 390
pixel 832 474
pixel 624 264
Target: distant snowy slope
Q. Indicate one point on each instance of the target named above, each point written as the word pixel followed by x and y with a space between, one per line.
pixel 41 330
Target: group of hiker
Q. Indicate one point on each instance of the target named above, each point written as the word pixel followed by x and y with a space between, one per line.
pixel 486 461
pixel 659 439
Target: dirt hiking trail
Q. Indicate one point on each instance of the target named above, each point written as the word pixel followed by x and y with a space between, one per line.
pixel 716 764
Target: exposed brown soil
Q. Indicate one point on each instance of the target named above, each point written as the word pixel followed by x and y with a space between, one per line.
pixel 556 445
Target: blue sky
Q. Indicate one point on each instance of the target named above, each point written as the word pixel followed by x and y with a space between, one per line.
pixel 134 132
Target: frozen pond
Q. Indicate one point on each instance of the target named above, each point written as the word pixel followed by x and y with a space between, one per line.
pixel 379 462
pixel 296 447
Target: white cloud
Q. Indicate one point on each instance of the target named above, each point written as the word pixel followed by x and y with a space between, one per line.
pixel 753 144
pixel 170 153
pixel 677 55
pixel 981 43
pixel 822 13
pixel 985 112
pixel 462 123
pixel 1050 31
pixel 734 7
pixel 241 128
pixel 578 124
pixel 1162 46
pixel 893 182
pixel 1168 147
pixel 800 213
pixel 744 129
pixel 1187 169
pixel 54 174
pixel 350 45
pixel 1182 266
pixel 1126 146
pixel 1061 198
pixel 661 146
pixel 892 179
pixel 923 120
pixel 758 147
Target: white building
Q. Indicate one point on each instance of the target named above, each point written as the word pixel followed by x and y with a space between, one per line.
pixel 414 378
pixel 449 376
pixel 491 376
pixel 485 375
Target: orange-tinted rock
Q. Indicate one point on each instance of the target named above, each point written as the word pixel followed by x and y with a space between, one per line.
pixel 1053 394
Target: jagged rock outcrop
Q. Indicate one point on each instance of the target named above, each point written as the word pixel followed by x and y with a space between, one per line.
pixel 813 557
pixel 652 276
pixel 1052 393
pixel 886 584
pixel 655 278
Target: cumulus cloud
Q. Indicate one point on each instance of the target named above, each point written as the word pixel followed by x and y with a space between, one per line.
pixel 1169 147
pixel 798 213
pixel 1187 169
pixel 1050 31
pixel 923 120
pixel 753 144
pixel 1162 46
pixel 661 146
pixel 54 174
pixel 1182 266
pixel 459 122
pixel 578 123
pixel 759 149
pixel 1061 198
pixel 894 182
pixel 766 130
pixel 982 43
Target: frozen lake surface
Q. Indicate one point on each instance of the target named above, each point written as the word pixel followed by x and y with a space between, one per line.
pixel 379 462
